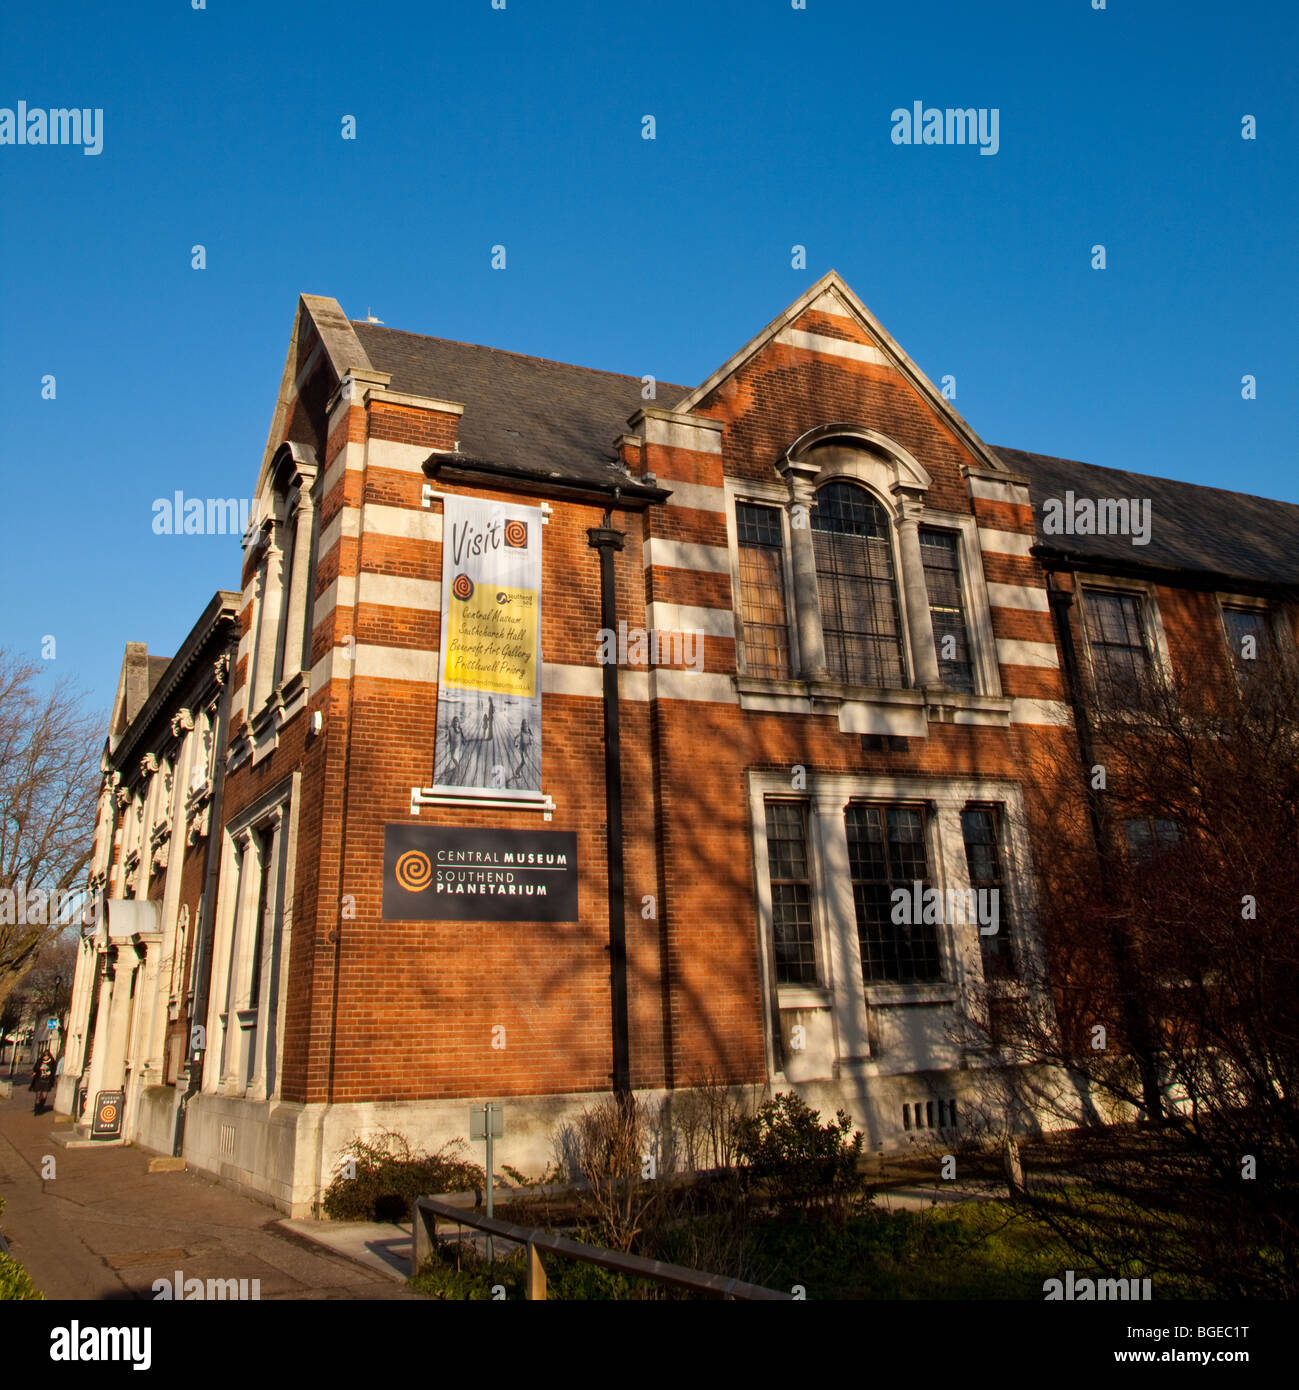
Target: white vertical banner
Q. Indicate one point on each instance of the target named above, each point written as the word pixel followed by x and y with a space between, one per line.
pixel 488 739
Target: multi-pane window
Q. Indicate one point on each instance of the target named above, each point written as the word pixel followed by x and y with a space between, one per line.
pixel 252 928
pixel 981 830
pixel 1148 836
pixel 856 587
pixel 1119 656
pixel 941 556
pixel 288 540
pixel 211 719
pixel 283 588
pixel 265 848
pixel 886 851
pixel 1249 638
pixel 762 590
pixel 791 892
pixel 261 593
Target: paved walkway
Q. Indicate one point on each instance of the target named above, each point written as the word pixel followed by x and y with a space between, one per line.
pixel 104 1227
pixel 923 1196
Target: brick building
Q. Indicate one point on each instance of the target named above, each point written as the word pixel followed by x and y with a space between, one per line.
pixel 141 974
pixel 837 669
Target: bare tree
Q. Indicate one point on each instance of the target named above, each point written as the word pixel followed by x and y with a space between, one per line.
pixel 11 1016
pixel 49 783
pixel 611 1143
pixel 706 1117
pixel 48 984
pixel 1173 956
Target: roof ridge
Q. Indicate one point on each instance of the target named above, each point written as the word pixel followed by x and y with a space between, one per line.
pixel 1107 468
pixel 508 352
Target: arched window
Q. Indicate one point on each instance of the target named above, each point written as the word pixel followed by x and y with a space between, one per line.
pixel 857 587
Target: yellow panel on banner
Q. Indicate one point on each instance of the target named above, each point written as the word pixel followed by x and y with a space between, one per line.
pixel 491 640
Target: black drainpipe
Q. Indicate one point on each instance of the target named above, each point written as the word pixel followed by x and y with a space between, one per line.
pixel 207 908
pixel 606 540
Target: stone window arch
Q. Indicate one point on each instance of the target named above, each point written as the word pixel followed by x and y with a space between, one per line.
pixel 855 501
pixel 286 540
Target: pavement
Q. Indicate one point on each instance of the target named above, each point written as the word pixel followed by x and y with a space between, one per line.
pixel 105 1227
pixel 381 1246
pixel 922 1197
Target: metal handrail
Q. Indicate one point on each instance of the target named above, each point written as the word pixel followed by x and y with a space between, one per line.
pixel 427 1210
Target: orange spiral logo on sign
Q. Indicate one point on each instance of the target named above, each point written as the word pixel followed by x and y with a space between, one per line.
pixel 462 586
pixel 108 1114
pixel 414 871
pixel 516 534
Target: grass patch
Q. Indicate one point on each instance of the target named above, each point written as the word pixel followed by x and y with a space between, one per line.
pixel 972 1250
pixel 977 1250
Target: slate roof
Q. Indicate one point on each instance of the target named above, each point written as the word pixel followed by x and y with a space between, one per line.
pixel 1231 535
pixel 541 417
pixel 551 419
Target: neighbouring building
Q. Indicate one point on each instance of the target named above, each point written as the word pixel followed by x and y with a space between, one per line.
pixel 829 632
pixel 140 980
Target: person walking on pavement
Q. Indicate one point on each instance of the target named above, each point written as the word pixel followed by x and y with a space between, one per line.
pixel 43 1080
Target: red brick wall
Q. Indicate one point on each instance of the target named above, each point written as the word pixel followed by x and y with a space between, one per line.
pixel 405 1010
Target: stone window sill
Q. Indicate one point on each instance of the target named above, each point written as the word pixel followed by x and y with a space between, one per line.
pixel 884 996
pixel 803 997
pixel 861 709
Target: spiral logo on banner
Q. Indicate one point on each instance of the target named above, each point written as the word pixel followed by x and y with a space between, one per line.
pixel 108 1114
pixel 414 871
pixel 516 534
pixel 463 587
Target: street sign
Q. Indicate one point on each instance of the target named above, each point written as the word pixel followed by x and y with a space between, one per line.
pixel 51 1024
pixel 487 1122
pixel 478 1116
pixel 108 1115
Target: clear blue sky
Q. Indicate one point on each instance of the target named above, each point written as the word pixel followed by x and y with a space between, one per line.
pixel 477 126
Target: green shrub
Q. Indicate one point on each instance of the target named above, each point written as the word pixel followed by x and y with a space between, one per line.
pixel 15 1282
pixel 799 1162
pixel 379 1178
pixel 469 1279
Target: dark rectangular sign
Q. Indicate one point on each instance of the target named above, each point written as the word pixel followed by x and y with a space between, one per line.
pixel 438 873
pixel 107 1123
